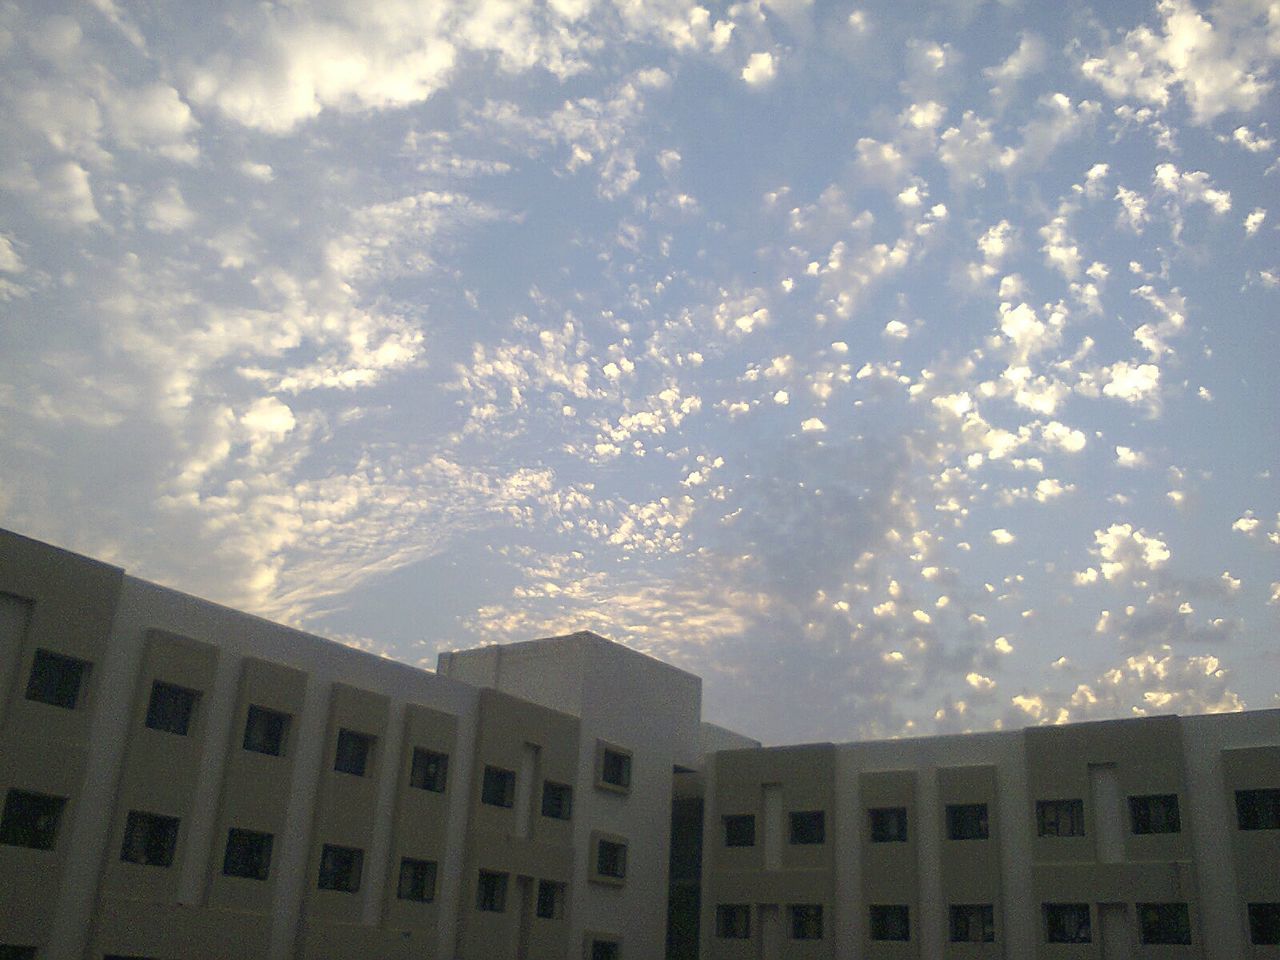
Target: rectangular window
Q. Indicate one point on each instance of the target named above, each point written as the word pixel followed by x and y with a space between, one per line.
pixel 1258 809
pixel 888 824
pixel 491 892
pixel 417 880
pixel 248 854
pixel 611 859
pixel 353 753
pixel 615 768
pixel 56 679
pixel 606 950
pixel 149 839
pixel 31 820
pixel 9 951
pixel 1067 923
pixel 973 923
pixel 1164 922
pixel 430 770
pixel 550 900
pixel 1060 818
pixel 171 708
pixel 740 830
pixel 806 921
pixel 265 731
pixel 340 868
pixel 557 800
pixel 499 788
pixel 967 821
pixel 808 827
pixel 1264 924
pixel 733 921
pixel 1155 814
pixel 890 922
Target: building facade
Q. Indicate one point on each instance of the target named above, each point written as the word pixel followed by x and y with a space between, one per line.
pixel 181 780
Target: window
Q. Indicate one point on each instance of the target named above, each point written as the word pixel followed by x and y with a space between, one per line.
pixel 973 923
pixel 888 825
pixel 340 868
pixel 56 679
pixel 171 708
pixel 615 768
pixel 499 789
pixel 265 730
pixel 248 854
pixel 430 770
pixel 1264 924
pixel 890 922
pixel 1067 923
pixel 808 827
pixel 806 921
pixel 1060 818
pixel 1258 809
pixel 353 753
pixel 606 950
pixel 31 820
pixel 967 821
pixel 550 900
pixel 491 892
pixel 1155 814
pixel 557 800
pixel 1164 922
pixel 611 859
pixel 417 880
pixel 733 921
pixel 149 839
pixel 740 830
pixel 11 952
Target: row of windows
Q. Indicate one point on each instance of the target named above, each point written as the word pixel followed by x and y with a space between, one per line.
pixel 1157 813
pixel 491 895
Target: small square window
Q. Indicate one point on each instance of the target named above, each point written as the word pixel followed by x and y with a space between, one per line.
pixel 248 854
pixel 557 800
pixel 973 923
pixel 417 880
pixel 354 752
pixel 606 950
pixel 1258 809
pixel 1155 814
pixel 171 708
pixel 740 830
pixel 888 824
pixel 1264 924
pixel 615 768
pixel 430 770
pixel 265 731
pixel 1060 818
pixel 149 839
pixel 806 921
pixel 733 921
pixel 31 820
pixel 550 900
pixel 491 892
pixel 499 788
pixel 56 679
pixel 808 827
pixel 1067 923
pixel 890 922
pixel 611 859
pixel 9 951
pixel 967 821
pixel 1164 922
pixel 340 868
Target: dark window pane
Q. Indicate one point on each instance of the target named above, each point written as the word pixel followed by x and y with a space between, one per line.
pixel 806 921
pixel 967 821
pixel 491 892
pixel 1067 923
pixel 1264 924
pixel 1155 814
pixel 1164 922
pixel 557 800
pixel 809 826
pixel 248 854
pixel 1060 818
pixel 10 952
pixel 353 752
pixel 149 839
pixel 171 708
pixel 430 770
pixel 615 768
pixel 740 830
pixel 56 679
pixel 733 921
pixel 890 922
pixel 340 868
pixel 973 923
pixel 605 950
pixel 888 825
pixel 1258 809
pixel 31 820
pixel 611 859
pixel 417 880
pixel 265 731
pixel 550 899
pixel 499 787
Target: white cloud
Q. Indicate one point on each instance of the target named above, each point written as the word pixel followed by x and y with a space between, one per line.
pixel 1058 436
pixel 760 69
pixel 1124 549
pixel 813 425
pixel 1191 187
pixel 168 211
pixel 1131 382
pixel 1250 141
pixel 1130 459
pixel 1133 209
pixel 1253 222
pixel 1030 57
pixel 1002 537
pixel 896 329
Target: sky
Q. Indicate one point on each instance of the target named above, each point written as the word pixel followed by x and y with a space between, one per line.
pixel 898 368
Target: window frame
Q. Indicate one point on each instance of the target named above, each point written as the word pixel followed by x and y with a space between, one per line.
pixel 806 921
pixel 256 836
pixel 733 921
pixel 158 717
pixel 1258 808
pixel 423 876
pixel 1141 808
pixel 1264 924
pixel 63 661
pixel 429 770
pixel 959 816
pixel 807 828
pixel 561 797
pixel 964 913
pixel 729 820
pixel 344 758
pixel 877 817
pixel 491 891
pixel 885 920
pixel 12 829
pixel 493 780
pixel 1152 915
pixel 1052 925
pixel 626 759
pixel 271 718
pixel 549 892
pixel 337 882
pixel 1048 811
pixel 138 850
pixel 617 847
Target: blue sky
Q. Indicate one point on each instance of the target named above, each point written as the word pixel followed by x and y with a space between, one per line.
pixel 897 368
